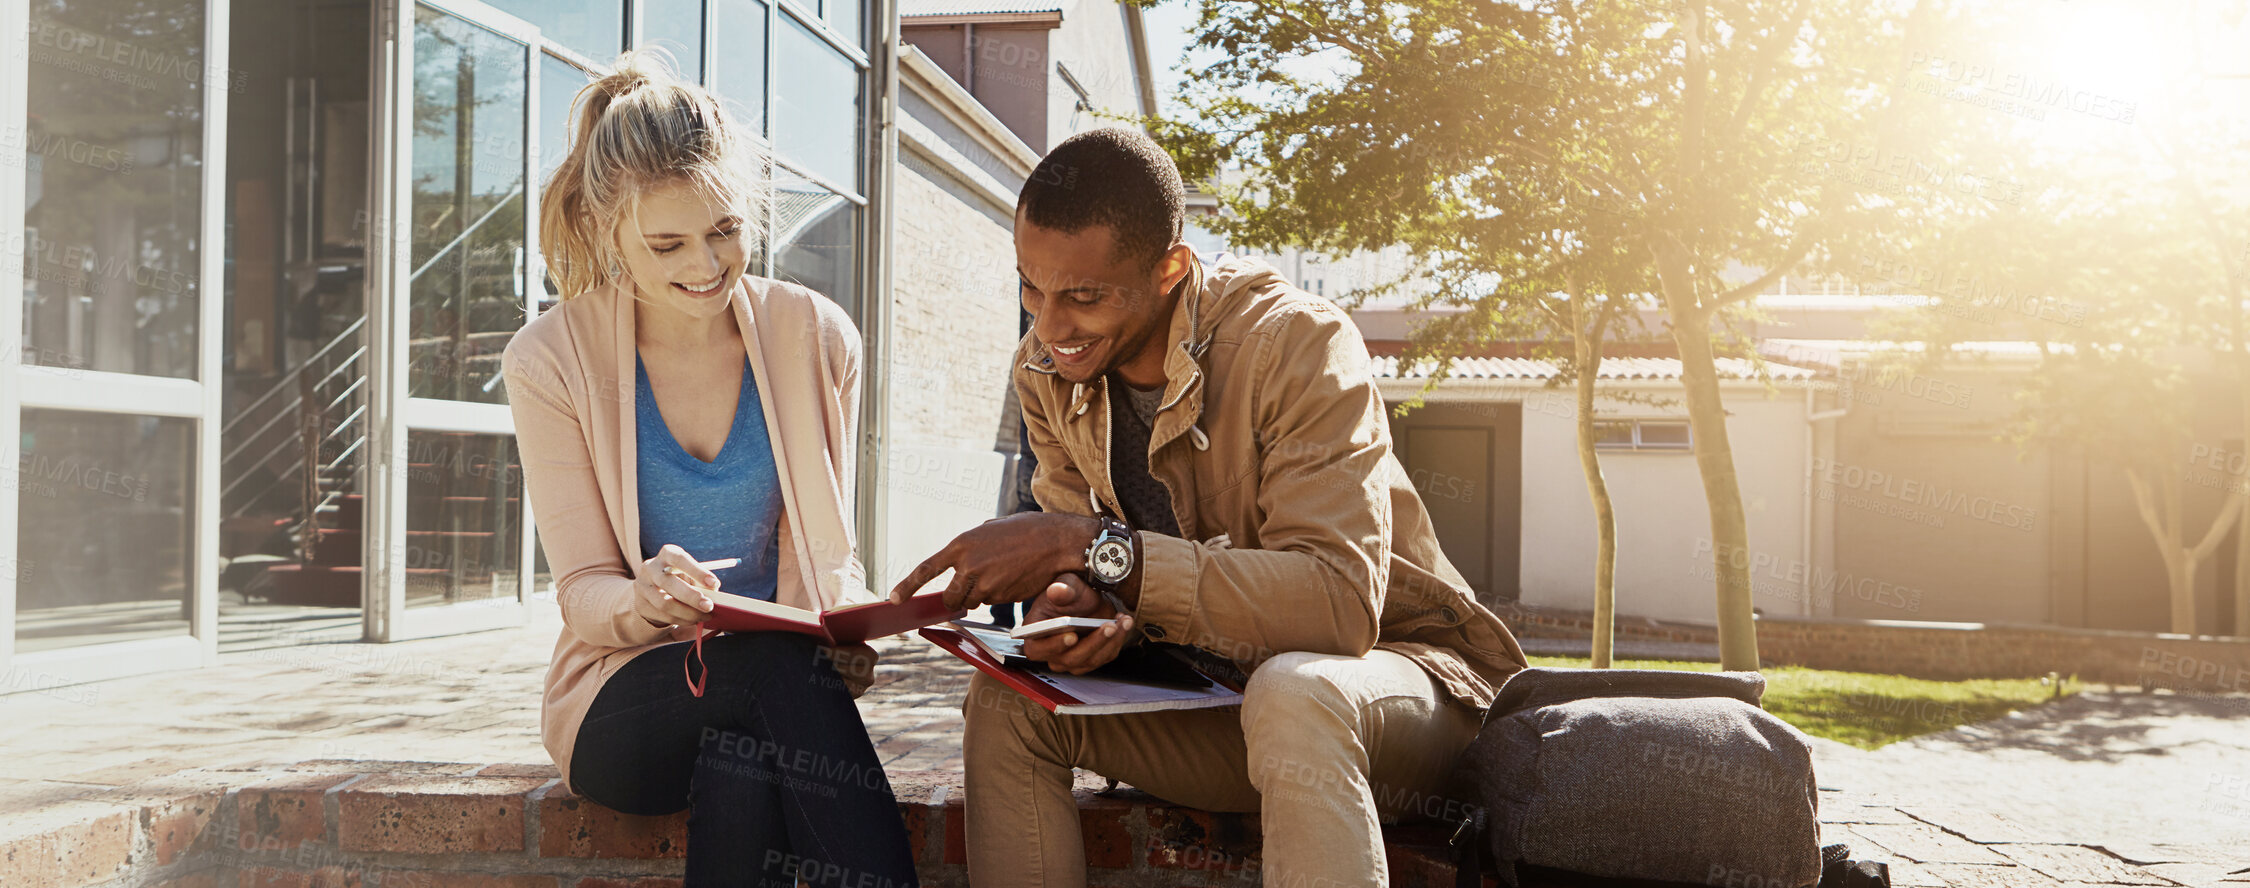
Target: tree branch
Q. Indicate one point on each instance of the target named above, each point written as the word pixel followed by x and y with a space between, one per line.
pixel 1789 261
pixel 1341 41
pixel 2219 527
pixel 2146 500
pixel 1762 68
pixel 1695 86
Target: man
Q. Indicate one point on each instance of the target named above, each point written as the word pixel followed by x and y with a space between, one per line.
pixel 1216 471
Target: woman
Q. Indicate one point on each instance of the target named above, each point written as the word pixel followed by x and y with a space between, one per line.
pixel 673 408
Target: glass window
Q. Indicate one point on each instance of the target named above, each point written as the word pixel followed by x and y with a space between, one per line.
pixel 817 107
pixel 738 63
pixel 559 83
pixel 677 26
pixel 105 528
pixel 818 231
pixel 593 28
pixel 464 518
pixel 1669 435
pixel 468 208
pixel 113 180
pixel 1613 434
pixel 844 17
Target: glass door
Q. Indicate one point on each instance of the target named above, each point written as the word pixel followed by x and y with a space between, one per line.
pixel 109 202
pixel 449 539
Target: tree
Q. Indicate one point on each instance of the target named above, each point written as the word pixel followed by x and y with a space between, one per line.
pixel 1590 301
pixel 2138 232
pixel 1517 137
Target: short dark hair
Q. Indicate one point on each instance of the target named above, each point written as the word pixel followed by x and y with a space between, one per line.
pixel 1115 177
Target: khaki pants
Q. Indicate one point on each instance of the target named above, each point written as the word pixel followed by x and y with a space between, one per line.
pixel 1323 747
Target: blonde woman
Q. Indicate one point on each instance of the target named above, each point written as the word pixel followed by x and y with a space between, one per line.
pixel 674 408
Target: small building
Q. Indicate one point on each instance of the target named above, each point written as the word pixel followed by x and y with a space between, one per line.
pixel 1493 450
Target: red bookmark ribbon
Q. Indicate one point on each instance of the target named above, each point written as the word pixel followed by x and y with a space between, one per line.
pixel 696 685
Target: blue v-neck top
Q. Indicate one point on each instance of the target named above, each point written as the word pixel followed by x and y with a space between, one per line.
pixel 727 508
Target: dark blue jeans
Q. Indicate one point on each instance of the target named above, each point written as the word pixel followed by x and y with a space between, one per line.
pixel 772 763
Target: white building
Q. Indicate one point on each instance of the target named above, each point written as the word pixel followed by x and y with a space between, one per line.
pixel 264 255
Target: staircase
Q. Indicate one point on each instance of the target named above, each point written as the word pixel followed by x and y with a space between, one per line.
pixel 294 512
pixel 293 525
pixel 290 504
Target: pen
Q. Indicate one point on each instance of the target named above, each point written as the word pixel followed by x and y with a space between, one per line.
pixel 715 564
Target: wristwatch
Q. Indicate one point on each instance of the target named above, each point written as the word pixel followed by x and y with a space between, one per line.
pixel 1111 557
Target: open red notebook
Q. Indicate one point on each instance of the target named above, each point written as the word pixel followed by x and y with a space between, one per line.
pixel 1090 694
pixel 849 624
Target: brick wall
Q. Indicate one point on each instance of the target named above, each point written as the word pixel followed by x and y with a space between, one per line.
pixel 953 313
pixel 1949 651
pixel 369 824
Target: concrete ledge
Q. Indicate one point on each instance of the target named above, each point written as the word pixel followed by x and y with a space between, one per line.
pixel 2195 664
pixel 375 824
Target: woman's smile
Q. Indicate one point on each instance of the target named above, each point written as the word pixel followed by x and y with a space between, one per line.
pixel 702 290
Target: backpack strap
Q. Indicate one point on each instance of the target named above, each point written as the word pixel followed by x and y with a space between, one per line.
pixel 1468 848
pixel 1545 686
pixel 1838 870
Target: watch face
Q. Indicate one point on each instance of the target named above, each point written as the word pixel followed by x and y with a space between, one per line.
pixel 1111 561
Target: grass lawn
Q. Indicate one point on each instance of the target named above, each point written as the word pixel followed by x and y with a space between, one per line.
pixel 1866 710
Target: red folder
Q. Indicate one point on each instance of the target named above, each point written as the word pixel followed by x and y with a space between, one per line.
pixel 1080 695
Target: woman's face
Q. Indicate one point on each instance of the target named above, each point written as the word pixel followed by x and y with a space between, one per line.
pixel 683 249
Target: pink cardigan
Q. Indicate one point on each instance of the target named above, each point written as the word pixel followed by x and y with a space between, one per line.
pixel 570 379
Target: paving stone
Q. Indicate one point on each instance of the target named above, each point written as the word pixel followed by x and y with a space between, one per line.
pixel 1922 843
pixel 1981 827
pixel 2076 863
pixel 1958 875
pixel 1865 814
pixel 1907 874
pixel 2203 875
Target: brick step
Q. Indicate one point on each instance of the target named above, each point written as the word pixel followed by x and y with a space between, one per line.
pixel 434 823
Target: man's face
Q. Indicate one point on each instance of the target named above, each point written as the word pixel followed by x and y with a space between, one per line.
pixel 1093 308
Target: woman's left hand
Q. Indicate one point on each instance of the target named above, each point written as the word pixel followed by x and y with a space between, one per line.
pixel 855 664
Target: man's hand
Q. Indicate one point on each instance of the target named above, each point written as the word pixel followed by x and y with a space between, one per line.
pixel 1005 559
pixel 1069 596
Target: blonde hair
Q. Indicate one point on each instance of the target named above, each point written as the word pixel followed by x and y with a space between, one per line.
pixel 638 128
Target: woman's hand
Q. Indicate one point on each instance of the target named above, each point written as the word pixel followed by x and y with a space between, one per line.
pixel 669 590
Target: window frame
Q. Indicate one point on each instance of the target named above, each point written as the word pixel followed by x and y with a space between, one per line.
pixel 28 386
pixel 1638 443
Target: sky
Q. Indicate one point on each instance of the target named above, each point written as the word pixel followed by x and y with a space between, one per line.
pixel 1167 25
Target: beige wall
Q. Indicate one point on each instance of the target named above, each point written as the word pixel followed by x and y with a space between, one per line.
pixel 1928 505
pixel 1663 535
pixel 1094 43
pixel 952 326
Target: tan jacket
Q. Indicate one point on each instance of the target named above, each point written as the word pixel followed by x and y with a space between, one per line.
pixel 571 387
pixel 1303 533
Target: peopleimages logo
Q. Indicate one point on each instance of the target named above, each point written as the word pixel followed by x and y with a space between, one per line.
pixel 1943 500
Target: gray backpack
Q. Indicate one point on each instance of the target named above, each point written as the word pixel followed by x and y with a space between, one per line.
pixel 1639 776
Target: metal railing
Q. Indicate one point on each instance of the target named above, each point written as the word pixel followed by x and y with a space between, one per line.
pixel 264 447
